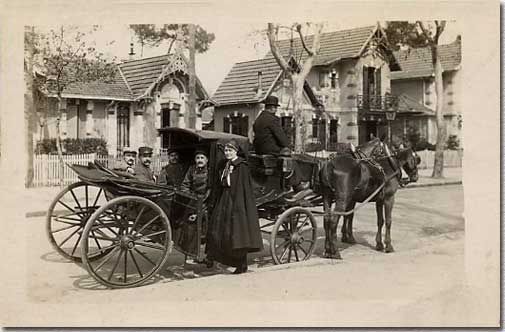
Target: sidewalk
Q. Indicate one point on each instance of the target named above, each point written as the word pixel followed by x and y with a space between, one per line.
pixel 452 175
pixel 40 198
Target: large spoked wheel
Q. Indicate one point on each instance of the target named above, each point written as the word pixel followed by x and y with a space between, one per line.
pixel 68 214
pixel 139 241
pixel 293 236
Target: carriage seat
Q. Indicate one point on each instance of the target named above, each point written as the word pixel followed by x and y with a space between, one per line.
pixel 265 164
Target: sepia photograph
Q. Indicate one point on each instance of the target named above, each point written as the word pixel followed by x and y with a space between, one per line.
pixel 206 171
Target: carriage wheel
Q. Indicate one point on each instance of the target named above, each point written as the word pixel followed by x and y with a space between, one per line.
pixel 139 239
pixel 68 214
pixel 293 237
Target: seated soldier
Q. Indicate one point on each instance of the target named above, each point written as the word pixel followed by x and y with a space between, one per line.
pixel 173 173
pixel 128 161
pixel 196 179
pixel 143 170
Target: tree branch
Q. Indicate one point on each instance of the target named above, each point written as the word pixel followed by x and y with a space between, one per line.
pixel 299 30
pixel 316 45
pixel 425 32
pixel 275 50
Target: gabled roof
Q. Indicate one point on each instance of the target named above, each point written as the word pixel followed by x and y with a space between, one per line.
pixel 99 90
pixel 239 86
pixel 133 80
pixel 410 106
pixel 416 63
pixel 335 46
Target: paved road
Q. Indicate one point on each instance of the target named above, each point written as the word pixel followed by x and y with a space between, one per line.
pixel 428 235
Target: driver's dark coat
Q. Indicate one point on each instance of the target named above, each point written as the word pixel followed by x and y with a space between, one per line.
pixel 269 138
pixel 144 173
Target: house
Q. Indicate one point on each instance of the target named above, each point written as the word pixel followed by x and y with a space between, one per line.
pixel 415 82
pixel 238 98
pixel 147 96
pixel 356 78
pixel 351 71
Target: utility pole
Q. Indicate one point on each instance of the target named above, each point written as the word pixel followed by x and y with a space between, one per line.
pixel 192 77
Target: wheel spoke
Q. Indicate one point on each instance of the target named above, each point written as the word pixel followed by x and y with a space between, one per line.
pixel 144 256
pixel 283 244
pixel 153 234
pixel 115 265
pixel 68 207
pixel 296 253
pixel 289 254
pixel 106 227
pixel 106 237
pixel 96 241
pixel 86 197
pixel 136 265
pixel 125 265
pixel 68 222
pixel 91 254
pixel 65 228
pixel 310 241
pixel 68 237
pixel 97 197
pixel 147 225
pixel 76 244
pixel 150 245
pixel 286 228
pixel 110 255
pixel 301 248
pixel 76 200
pixel 283 254
pixel 136 220
pixel 304 223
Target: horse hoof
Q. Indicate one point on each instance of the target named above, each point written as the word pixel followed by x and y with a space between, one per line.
pixel 389 249
pixel 379 247
pixel 351 240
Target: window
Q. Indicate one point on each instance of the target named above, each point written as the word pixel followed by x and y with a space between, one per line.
pixel 333 131
pixel 315 127
pixel 123 126
pixel 236 124
pixel 165 117
pixel 371 81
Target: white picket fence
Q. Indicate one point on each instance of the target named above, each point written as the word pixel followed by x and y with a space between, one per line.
pixel 46 168
pixel 452 158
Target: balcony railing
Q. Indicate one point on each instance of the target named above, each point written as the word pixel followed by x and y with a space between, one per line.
pixel 376 103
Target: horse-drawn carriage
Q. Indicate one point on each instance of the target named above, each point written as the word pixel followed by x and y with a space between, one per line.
pixel 123 230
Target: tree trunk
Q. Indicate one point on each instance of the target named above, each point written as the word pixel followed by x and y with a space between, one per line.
pixel 58 141
pixel 300 126
pixel 438 167
pixel 192 78
pixel 29 106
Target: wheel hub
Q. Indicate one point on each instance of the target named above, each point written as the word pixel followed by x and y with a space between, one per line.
pixel 296 238
pixel 127 242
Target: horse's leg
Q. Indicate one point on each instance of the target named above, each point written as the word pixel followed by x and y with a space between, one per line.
pixel 388 209
pixel 379 207
pixel 347 235
pixel 326 223
pixel 334 252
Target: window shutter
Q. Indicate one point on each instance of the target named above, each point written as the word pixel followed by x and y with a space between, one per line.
pixel 226 124
pixel 365 81
pixel 244 125
pixel 378 81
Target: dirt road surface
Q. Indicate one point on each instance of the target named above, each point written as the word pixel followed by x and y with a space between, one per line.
pixel 421 284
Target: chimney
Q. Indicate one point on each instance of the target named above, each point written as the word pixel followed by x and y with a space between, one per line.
pixel 131 54
pixel 260 88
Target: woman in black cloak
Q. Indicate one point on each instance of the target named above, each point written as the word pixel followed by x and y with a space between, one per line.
pixel 234 227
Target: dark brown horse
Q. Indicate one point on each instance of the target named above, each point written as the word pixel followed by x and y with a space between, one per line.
pixel 346 181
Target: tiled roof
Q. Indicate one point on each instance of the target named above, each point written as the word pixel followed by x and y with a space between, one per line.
pixel 140 74
pixel 116 90
pixel 240 84
pixel 409 105
pixel 417 63
pixel 334 45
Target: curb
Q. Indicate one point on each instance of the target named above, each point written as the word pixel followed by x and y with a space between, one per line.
pixel 433 184
pixel 37 214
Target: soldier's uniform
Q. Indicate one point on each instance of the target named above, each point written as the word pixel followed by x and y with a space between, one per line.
pixel 195 180
pixel 142 172
pixel 172 175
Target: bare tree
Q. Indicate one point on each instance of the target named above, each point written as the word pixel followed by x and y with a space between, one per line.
pixel 296 74
pixel 66 60
pixel 432 34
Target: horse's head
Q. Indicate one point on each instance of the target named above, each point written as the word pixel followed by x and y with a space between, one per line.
pixel 408 160
pixel 371 147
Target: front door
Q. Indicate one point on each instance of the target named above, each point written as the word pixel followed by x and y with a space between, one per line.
pixel 367 131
